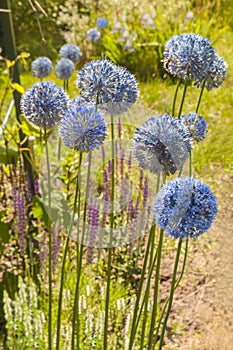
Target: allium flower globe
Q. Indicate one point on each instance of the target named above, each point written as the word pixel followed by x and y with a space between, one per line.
pixel 102 22
pixel 188 56
pixel 64 68
pixel 185 207
pixel 162 145
pixel 41 67
pixel 82 128
pixel 216 73
pixel 76 101
pixel 70 51
pixel 111 87
pixel 195 125
pixel 44 104
pixel 93 35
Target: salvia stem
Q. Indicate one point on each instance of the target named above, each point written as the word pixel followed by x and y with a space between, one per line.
pixel 171 294
pixel 64 257
pixel 107 299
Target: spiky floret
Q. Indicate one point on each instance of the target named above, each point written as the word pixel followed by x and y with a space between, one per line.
pixel 82 128
pixel 188 56
pixel 162 145
pixel 93 35
pixel 70 51
pixel 104 83
pixel 64 68
pixel 102 22
pixel 185 207
pixel 195 124
pixel 44 104
pixel 41 67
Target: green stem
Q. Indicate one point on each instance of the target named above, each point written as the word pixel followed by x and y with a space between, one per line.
pixel 64 257
pixel 136 306
pixel 59 149
pixel 147 293
pixel 190 163
pixel 171 294
pixel 200 96
pixel 175 97
pixel 50 246
pixel 75 319
pixel 145 301
pixel 107 299
pixel 183 98
pixel 150 243
pixel 156 289
pixel 177 284
pixel 146 298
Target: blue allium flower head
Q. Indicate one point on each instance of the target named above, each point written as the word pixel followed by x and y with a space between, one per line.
pixel 77 101
pixel 102 22
pixel 185 207
pixel 195 124
pixel 64 68
pixel 111 87
pixel 44 104
pixel 41 67
pixel 82 128
pixel 93 35
pixel 70 51
pixel 162 145
pixel 188 56
pixel 216 73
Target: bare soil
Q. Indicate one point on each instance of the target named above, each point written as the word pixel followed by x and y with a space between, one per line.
pixel 202 313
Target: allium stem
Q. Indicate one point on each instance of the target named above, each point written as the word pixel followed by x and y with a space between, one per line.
pixel 147 293
pixel 50 246
pixel 150 244
pixel 171 294
pixel 75 319
pixel 145 302
pixel 136 306
pixel 110 240
pixel 77 189
pixel 200 96
pixel 175 97
pixel 156 289
pixel 183 98
pixel 177 284
pixel 190 164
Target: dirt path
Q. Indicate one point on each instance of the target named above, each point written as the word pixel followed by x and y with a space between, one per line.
pixel 202 317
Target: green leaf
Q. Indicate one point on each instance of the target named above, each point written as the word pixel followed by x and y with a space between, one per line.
pixel 28 128
pixel 8 156
pixel 18 87
pixel 4 236
pixel 39 211
pixel 10 64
